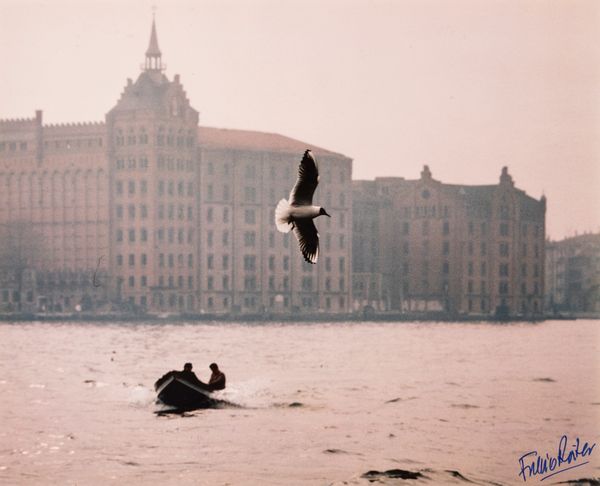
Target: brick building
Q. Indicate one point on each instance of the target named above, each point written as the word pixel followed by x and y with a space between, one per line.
pixel 452 248
pixel 150 211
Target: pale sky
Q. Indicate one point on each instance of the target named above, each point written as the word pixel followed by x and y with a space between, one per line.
pixel 463 86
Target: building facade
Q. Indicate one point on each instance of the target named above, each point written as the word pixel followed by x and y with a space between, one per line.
pixel 455 249
pixel 150 211
pixel 573 275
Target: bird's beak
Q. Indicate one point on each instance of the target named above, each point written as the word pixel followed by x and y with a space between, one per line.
pixel 326 214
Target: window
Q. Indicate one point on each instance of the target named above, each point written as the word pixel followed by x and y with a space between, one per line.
pixel 503 229
pixel 342 264
pixel 119 260
pixel 144 211
pixel 286 263
pixel 161 188
pixel 470 269
pixel 171 260
pixel 272 263
pixel 225 262
pixel 119 188
pixel 249 238
pixel 503 270
pixel 307 283
pixel 503 248
pixel 131 211
pixel 250 194
pixel 225 238
pixel 225 215
pixel 143 187
pixel 132 281
pixel 405 228
pixel 144 259
pixel 503 287
pixel 131 259
pixel 209 238
pixel 446 227
pixel 209 215
pixel 131 187
pixel 119 211
pixel 131 235
pixel 446 247
pixel 210 261
pixel 225 282
pixel 250 216
pixel 144 281
pixel 249 262
pixel 144 234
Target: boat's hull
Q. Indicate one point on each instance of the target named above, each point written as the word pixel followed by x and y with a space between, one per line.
pixel 184 395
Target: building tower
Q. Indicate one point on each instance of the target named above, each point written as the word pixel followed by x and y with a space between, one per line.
pixel 152 144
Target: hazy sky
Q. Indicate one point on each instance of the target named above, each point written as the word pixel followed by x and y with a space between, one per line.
pixel 463 86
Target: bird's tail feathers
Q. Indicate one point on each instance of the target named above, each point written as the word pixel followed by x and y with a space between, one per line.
pixel 282 214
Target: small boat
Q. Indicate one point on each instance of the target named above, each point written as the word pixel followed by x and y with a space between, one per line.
pixel 180 393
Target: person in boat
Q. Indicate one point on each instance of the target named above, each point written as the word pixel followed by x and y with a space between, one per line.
pixel 187 374
pixel 217 378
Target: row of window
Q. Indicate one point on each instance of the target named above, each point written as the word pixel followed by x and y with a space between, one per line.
pixel 174 165
pixel 250 302
pixel 250 283
pixel 172 235
pixel 284 172
pixel 251 260
pixel 163 261
pixel 163 281
pixel 170 187
pixel 131 163
pixel 503 287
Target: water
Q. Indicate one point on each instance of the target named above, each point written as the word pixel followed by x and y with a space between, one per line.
pixel 77 402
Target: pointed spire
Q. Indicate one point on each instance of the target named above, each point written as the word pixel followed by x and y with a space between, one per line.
pixel 153 49
pixel 153 54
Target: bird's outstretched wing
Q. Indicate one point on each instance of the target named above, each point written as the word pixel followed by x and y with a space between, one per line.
pixel 308 178
pixel 308 239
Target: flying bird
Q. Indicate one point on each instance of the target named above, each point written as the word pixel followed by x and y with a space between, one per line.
pixel 298 213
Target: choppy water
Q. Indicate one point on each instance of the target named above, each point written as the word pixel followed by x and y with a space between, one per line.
pixel 322 404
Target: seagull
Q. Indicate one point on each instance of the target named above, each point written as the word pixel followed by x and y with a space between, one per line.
pixel 298 213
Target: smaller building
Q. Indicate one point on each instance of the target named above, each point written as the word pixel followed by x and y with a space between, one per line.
pixel 573 275
pixel 425 246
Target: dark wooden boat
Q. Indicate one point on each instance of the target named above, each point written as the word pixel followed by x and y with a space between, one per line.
pixel 184 395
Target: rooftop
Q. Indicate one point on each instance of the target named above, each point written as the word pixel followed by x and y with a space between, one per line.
pixel 233 139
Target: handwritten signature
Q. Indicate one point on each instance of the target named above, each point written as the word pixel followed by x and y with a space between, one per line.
pixel 551 464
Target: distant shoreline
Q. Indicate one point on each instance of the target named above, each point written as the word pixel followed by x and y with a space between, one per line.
pixel 281 318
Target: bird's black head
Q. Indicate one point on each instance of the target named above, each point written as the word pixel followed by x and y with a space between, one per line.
pixel 322 212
